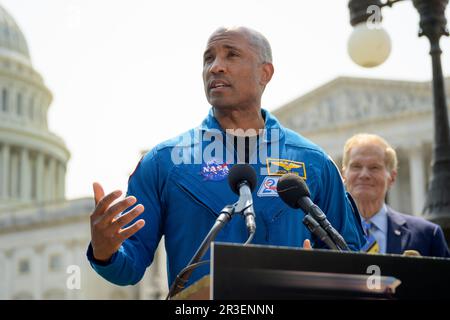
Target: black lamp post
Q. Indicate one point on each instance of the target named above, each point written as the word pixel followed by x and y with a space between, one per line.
pixel 433 26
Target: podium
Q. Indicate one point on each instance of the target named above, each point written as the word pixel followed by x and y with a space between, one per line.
pixel 271 272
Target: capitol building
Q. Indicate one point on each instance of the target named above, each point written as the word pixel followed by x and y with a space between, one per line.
pixel 44 236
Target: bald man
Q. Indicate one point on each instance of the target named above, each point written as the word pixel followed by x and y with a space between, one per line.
pixel 180 186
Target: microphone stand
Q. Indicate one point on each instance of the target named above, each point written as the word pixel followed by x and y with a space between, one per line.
pixel 181 279
pixel 315 228
pixel 320 217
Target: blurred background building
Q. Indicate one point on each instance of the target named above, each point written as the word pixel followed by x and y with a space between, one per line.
pixel 41 233
pixel 399 111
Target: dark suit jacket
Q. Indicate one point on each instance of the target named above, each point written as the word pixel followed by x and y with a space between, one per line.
pixel 406 232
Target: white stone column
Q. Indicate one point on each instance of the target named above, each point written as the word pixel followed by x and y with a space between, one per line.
pixel 58 180
pixel 44 116
pixel 69 259
pixel 3 276
pixel 37 271
pixel 76 255
pixel 80 256
pixel 4 172
pixel 51 179
pixel 25 175
pixel 32 177
pixel 8 273
pixel 417 179
pixel 40 177
pixel 61 180
pixel 14 174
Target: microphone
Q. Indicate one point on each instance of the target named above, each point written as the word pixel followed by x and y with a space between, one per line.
pixel 242 181
pixel 295 193
pixel 316 229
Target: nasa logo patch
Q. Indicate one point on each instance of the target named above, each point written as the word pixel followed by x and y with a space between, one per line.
pixel 214 171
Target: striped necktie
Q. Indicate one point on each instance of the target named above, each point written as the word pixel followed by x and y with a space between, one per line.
pixel 371 245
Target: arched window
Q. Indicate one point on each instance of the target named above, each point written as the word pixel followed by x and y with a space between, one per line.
pixel 55 263
pixel 23 266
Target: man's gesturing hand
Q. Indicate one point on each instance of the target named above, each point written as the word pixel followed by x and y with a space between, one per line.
pixel 107 232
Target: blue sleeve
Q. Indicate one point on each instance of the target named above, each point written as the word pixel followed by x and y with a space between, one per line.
pixel 127 266
pixel 334 202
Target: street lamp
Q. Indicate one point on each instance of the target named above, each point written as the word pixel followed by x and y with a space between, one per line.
pixel 433 26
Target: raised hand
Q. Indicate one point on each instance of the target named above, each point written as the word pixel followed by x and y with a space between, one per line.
pixel 107 232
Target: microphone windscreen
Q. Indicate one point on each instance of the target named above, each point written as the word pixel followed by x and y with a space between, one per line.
pixel 239 173
pixel 291 188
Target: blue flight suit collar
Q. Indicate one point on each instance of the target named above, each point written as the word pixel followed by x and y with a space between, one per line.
pixel 271 123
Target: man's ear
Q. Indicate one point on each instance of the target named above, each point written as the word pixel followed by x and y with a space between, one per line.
pixel 344 180
pixel 267 73
pixel 393 176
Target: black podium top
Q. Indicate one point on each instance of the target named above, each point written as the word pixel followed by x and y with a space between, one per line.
pixel 270 272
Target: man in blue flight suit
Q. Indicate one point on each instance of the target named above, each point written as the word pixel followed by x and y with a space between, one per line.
pixel 182 183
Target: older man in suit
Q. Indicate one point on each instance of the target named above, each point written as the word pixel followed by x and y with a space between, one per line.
pixel 369 169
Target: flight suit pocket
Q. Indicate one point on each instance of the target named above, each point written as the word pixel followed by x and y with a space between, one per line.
pixel 193 186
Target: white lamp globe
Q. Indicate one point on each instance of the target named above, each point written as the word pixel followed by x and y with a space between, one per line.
pixel 369 45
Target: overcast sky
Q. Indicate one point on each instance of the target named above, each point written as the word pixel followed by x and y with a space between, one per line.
pixel 126 75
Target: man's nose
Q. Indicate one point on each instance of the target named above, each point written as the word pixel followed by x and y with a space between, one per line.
pixel 364 173
pixel 218 66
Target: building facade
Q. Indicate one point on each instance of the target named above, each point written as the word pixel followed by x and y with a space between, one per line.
pixel 399 111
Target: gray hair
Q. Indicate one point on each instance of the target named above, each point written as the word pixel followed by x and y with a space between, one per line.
pixel 255 39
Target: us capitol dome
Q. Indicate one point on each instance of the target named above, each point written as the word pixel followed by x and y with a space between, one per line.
pixel 33 160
